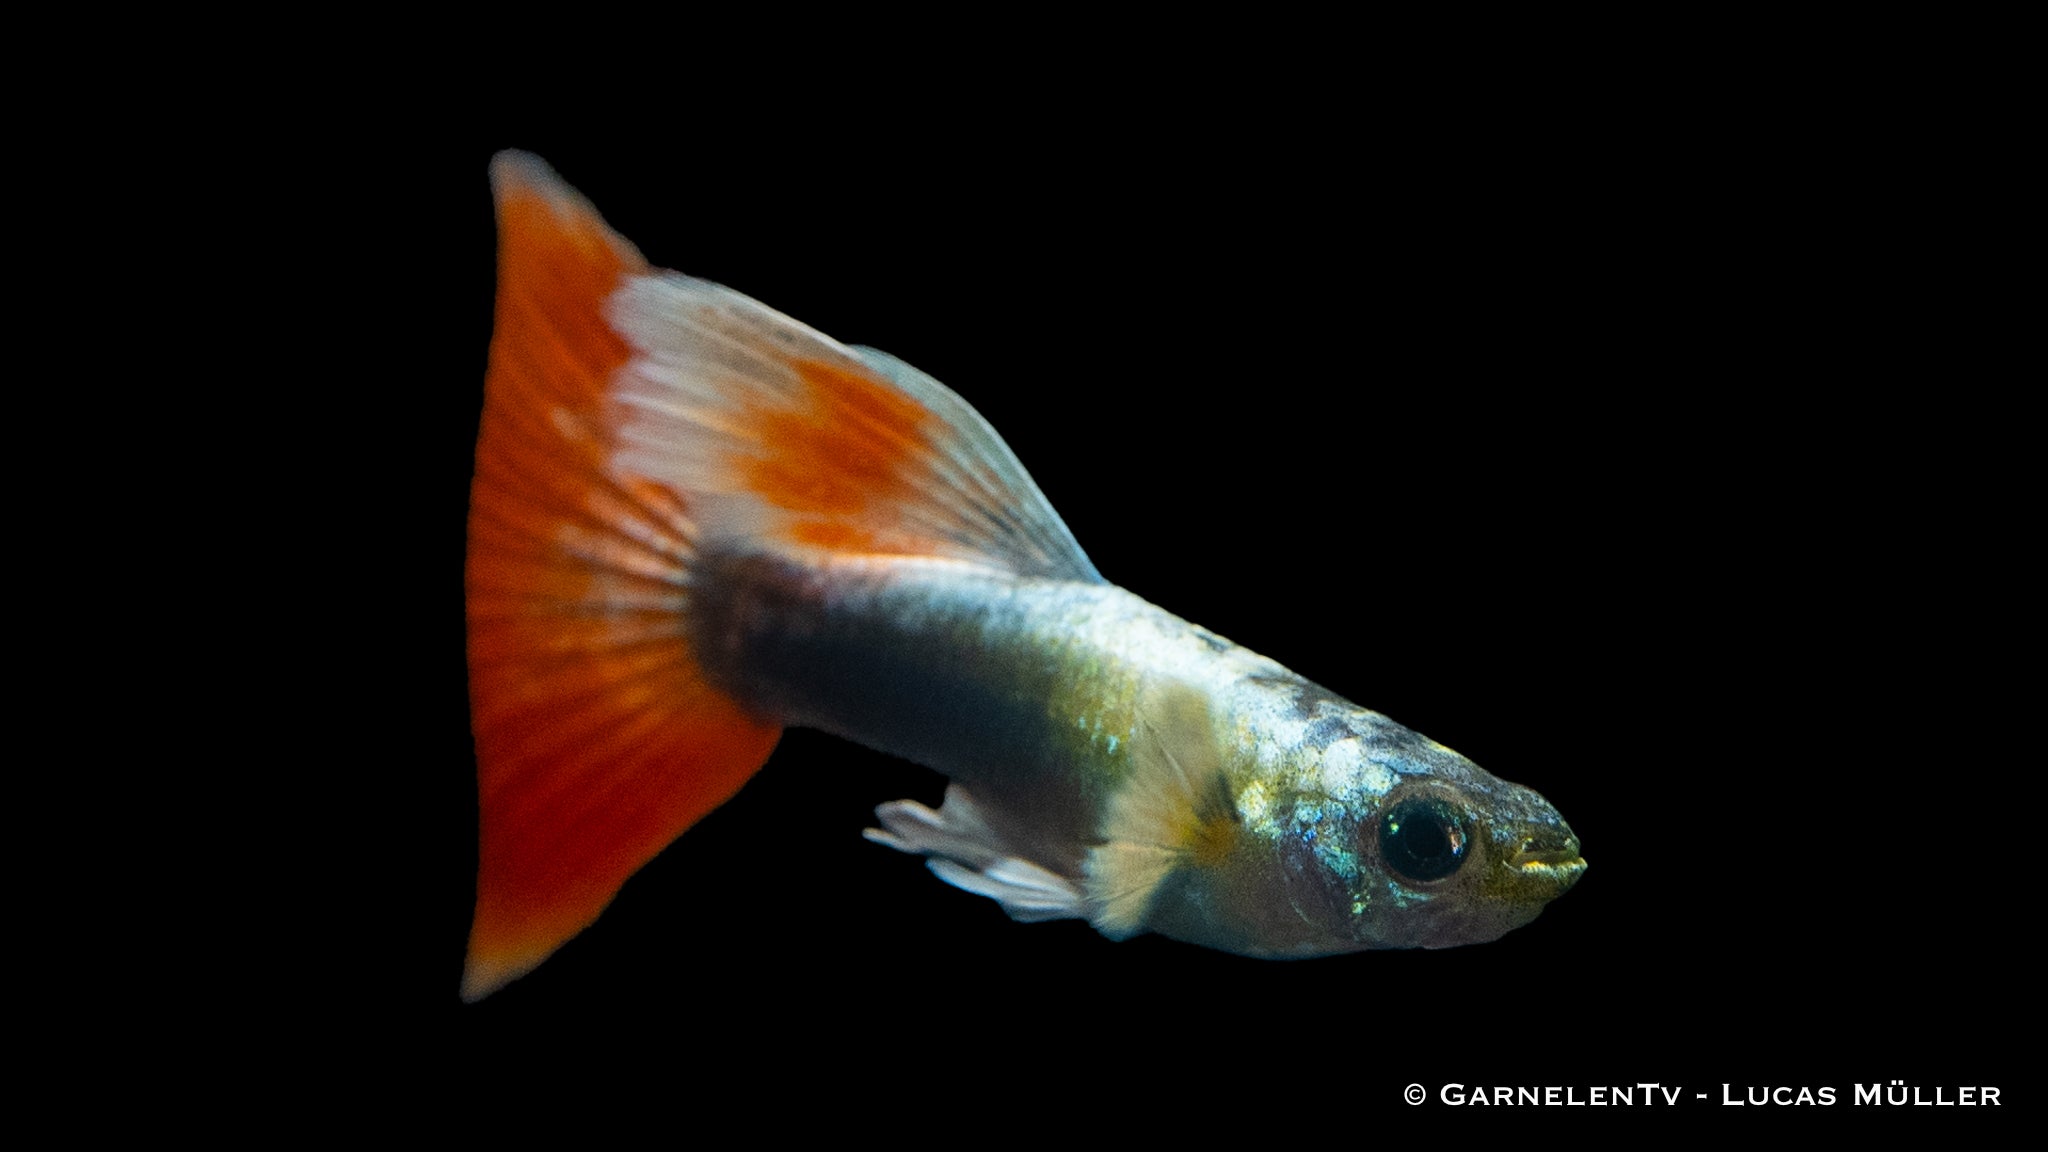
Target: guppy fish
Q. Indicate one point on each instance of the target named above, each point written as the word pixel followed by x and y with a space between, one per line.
pixel 696 521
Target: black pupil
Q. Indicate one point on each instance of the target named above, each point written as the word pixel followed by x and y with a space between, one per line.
pixel 1423 839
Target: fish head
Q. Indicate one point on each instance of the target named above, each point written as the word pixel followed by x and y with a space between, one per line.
pixel 1304 825
pixel 1426 851
pixel 1460 863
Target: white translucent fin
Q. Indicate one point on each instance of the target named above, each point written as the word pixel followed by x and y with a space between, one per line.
pixel 783 437
pixel 966 853
pixel 1174 811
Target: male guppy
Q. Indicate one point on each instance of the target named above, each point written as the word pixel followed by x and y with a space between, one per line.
pixel 696 521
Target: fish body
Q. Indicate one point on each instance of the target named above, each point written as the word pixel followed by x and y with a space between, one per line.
pixel 696 522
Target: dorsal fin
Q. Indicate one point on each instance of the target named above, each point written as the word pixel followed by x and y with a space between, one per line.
pixel 790 440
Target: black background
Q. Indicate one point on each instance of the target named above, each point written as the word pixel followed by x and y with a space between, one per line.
pixel 1598 447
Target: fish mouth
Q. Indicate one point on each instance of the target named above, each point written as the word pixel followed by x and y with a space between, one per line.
pixel 1557 860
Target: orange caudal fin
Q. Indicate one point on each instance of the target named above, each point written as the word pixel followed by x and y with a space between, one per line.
pixel 598 740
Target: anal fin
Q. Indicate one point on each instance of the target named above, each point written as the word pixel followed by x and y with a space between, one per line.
pixel 967 853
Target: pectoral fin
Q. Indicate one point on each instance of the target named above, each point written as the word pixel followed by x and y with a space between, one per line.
pixel 1174 811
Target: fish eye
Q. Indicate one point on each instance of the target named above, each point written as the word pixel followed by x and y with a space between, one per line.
pixel 1423 838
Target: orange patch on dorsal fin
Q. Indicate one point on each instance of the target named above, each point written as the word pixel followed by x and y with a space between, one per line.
pixel 598 739
pixel 796 441
pixel 840 460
